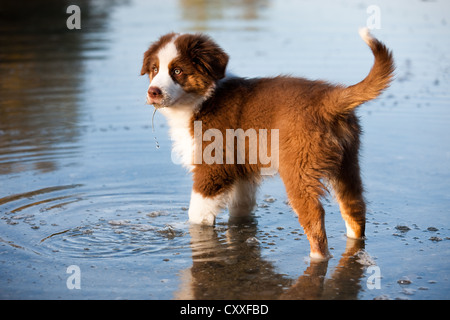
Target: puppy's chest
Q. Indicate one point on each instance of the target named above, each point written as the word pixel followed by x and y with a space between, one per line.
pixel 181 136
pixel 182 146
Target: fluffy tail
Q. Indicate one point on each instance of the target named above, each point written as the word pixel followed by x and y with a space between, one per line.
pixel 380 76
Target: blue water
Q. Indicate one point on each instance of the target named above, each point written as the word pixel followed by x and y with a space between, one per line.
pixel 82 182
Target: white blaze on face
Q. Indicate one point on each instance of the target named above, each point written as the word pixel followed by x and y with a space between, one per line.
pixel 171 90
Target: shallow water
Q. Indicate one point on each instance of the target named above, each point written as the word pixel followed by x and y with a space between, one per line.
pixel 83 183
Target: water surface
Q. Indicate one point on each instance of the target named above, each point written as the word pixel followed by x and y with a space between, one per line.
pixel 83 183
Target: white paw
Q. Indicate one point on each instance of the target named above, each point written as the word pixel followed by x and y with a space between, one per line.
pixel 203 210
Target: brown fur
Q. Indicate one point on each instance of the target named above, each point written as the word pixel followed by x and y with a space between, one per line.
pixel 150 60
pixel 202 61
pixel 318 130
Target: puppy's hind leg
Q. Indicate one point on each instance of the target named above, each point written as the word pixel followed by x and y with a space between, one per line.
pixel 311 216
pixel 304 194
pixel 349 192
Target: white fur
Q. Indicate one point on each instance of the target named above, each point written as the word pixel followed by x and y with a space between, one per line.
pixel 241 200
pixel 318 256
pixel 178 108
pixel 183 142
pixel 350 232
pixel 179 117
pixel 365 35
pixel 174 94
pixel 171 90
pixel 203 210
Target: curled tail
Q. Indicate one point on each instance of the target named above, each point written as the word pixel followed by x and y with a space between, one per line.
pixel 380 76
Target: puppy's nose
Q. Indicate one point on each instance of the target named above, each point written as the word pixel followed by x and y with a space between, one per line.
pixel 154 92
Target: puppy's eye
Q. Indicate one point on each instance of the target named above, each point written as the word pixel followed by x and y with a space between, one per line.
pixel 177 71
pixel 155 69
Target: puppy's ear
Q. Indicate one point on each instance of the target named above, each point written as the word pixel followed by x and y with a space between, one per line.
pixel 206 55
pixel 146 63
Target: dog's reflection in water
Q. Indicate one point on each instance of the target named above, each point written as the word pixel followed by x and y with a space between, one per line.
pixel 231 267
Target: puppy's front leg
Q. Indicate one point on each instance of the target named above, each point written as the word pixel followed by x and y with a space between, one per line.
pixel 204 209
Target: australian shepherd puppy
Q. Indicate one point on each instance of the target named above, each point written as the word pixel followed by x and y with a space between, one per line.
pixel 316 140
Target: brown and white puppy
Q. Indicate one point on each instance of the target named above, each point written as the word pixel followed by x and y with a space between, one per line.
pixel 316 140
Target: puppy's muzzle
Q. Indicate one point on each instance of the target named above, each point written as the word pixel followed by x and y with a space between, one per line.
pixel 154 95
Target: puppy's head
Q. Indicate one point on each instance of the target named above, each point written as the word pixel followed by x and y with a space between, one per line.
pixel 183 69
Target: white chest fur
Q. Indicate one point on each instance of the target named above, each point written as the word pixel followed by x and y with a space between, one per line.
pixel 180 133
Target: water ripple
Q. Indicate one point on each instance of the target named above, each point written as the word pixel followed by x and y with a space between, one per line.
pixel 75 221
